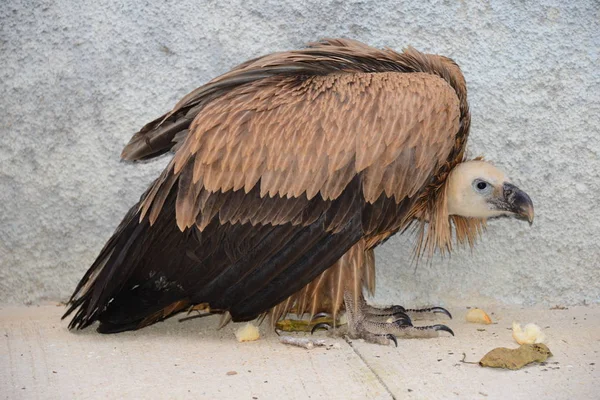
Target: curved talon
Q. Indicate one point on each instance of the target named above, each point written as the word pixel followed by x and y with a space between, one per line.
pixel 392 338
pixel 444 328
pixel 404 316
pixel 321 325
pixel 402 322
pixel 398 315
pixel 441 310
pixel 320 315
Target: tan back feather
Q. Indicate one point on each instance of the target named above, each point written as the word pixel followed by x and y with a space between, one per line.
pixel 303 139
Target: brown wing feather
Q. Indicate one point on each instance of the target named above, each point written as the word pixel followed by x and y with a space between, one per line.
pixel 281 135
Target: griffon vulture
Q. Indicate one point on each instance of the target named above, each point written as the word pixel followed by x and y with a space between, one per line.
pixel 288 171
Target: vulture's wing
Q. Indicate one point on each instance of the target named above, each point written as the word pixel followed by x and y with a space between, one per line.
pixel 296 137
pixel 277 177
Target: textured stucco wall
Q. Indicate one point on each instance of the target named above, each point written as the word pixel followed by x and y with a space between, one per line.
pixel 78 78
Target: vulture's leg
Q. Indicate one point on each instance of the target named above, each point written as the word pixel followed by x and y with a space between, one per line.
pixel 385 325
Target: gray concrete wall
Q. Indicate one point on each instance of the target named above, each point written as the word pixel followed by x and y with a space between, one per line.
pixel 78 78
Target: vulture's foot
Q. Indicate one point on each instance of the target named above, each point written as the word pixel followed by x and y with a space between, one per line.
pixel 384 325
pixel 387 332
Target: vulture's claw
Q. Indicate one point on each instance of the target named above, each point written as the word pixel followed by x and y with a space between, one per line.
pixel 401 321
pixel 321 325
pixel 439 327
pixel 392 338
pixel 320 315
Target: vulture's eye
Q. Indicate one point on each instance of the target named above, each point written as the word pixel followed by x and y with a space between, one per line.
pixel 481 187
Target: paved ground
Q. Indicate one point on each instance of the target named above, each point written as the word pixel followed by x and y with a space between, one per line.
pixel 40 359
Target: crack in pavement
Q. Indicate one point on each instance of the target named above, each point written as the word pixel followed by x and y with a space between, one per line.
pixel 387 389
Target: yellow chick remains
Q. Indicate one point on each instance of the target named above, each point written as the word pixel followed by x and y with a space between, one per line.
pixel 531 334
pixel 247 333
pixel 478 316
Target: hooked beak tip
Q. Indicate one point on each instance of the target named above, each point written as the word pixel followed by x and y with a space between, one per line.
pixel 529 214
pixel 519 202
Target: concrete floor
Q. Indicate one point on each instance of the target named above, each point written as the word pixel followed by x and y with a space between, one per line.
pixel 41 359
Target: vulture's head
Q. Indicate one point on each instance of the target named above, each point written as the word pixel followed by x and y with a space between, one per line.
pixel 478 189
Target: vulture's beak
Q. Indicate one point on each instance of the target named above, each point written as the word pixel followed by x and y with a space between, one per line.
pixel 518 202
